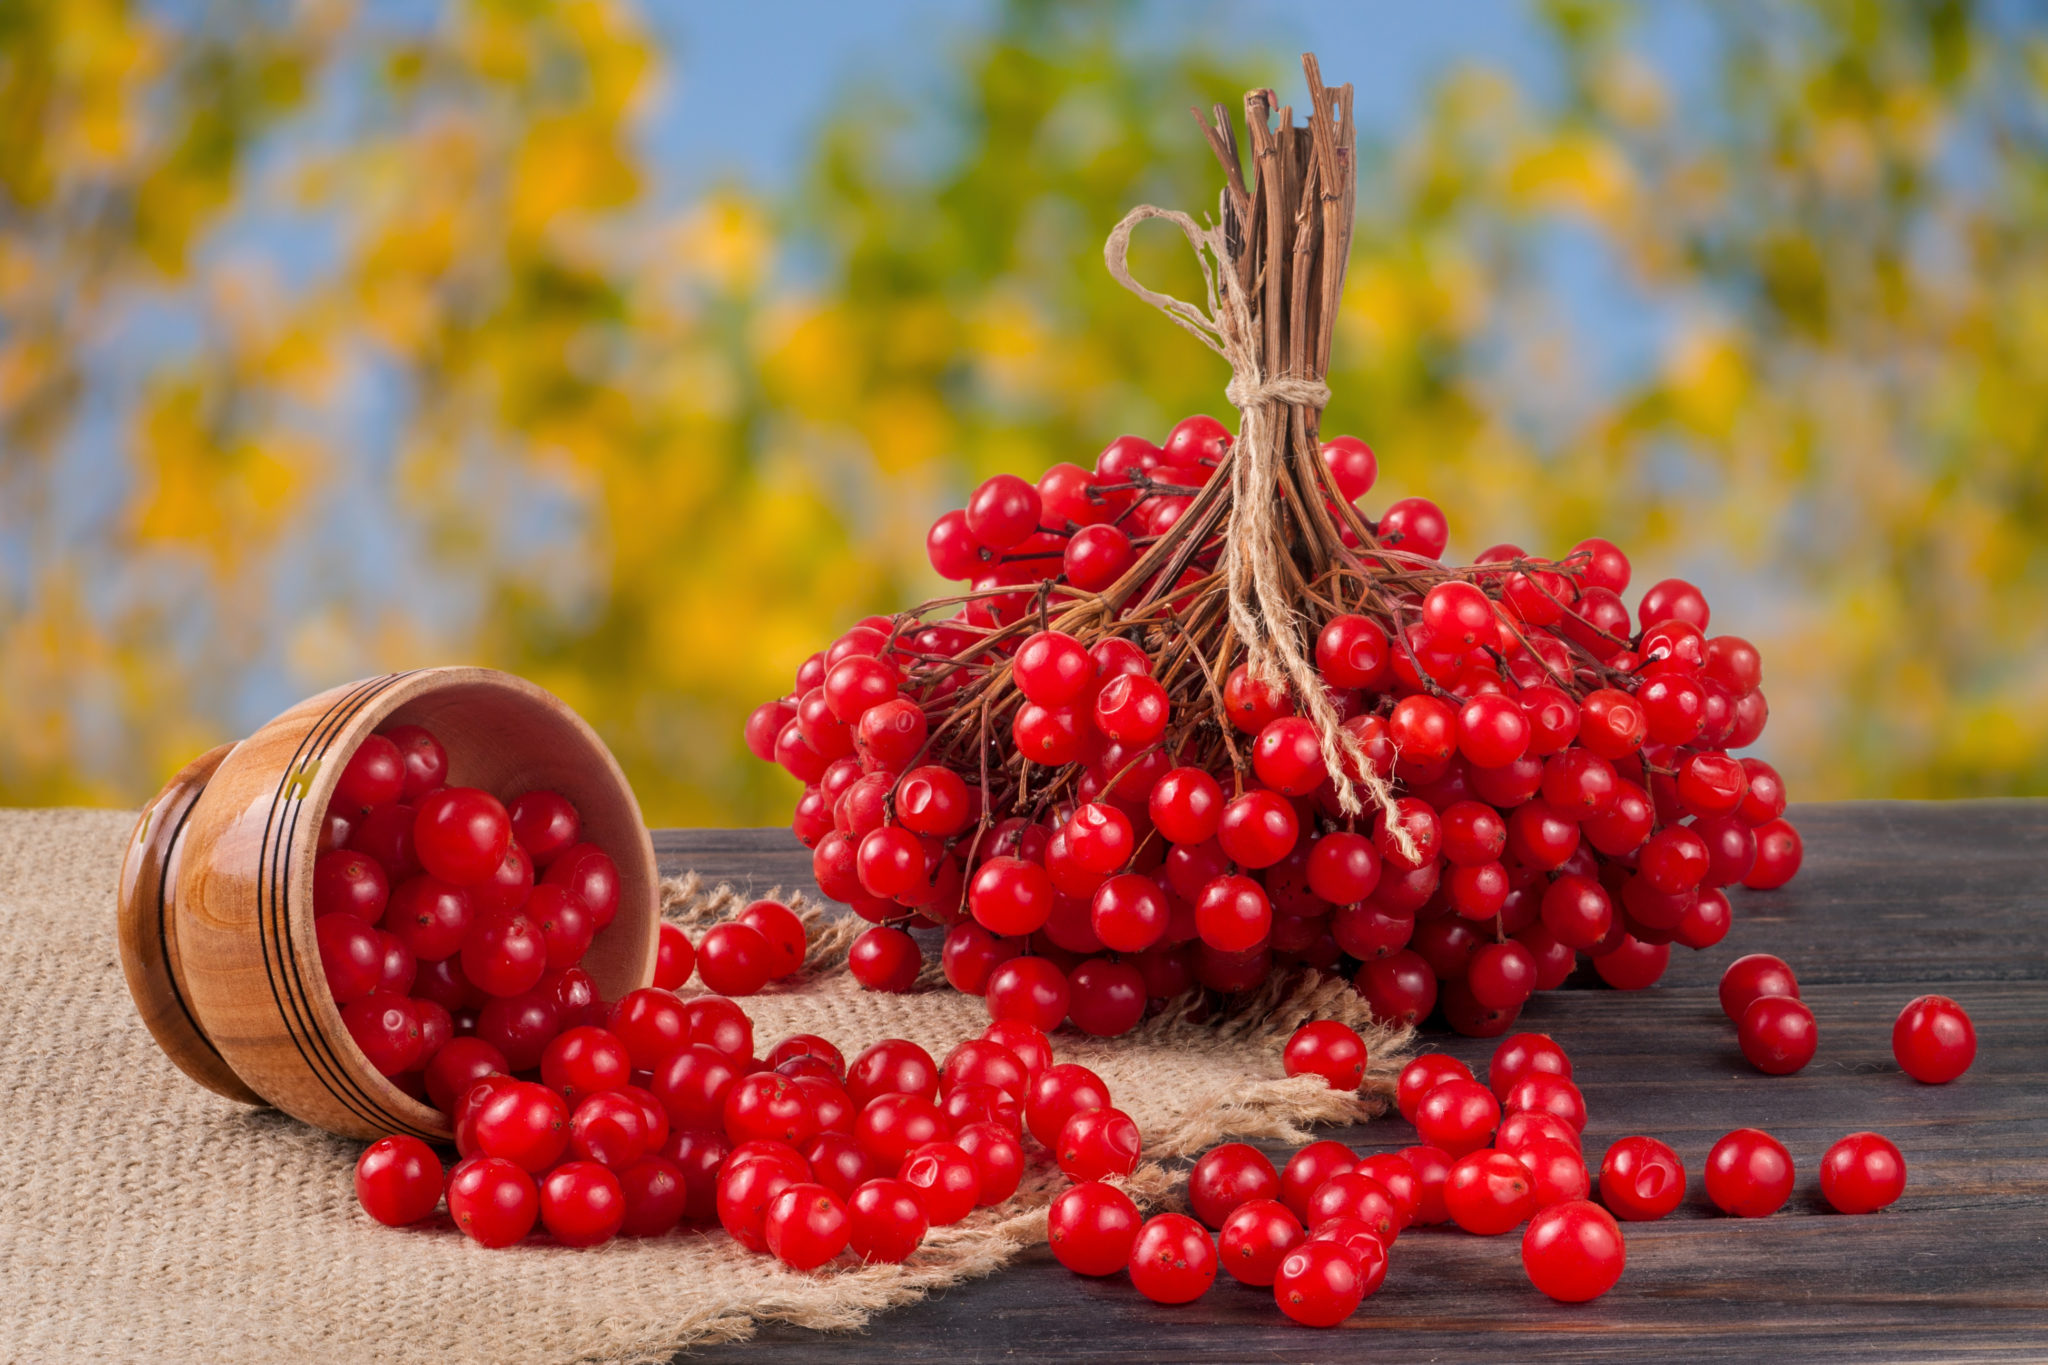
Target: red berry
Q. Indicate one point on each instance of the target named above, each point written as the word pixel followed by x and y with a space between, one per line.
pixel 588 871
pixel 348 882
pixel 460 834
pixel 493 1201
pixel 749 1185
pixel 1750 977
pixel 1542 1092
pixel 1488 1192
pixel 460 1063
pixel 656 1194
pixel 1003 511
pixel 1092 1228
pixel 545 825
pixel 1415 526
pixel 1306 1171
pixel 1173 1260
pixel 1933 1040
pixel 1352 466
pixel 1186 806
pixel 998 1159
pixel 1056 1095
pixel 1778 855
pixel 1641 1179
pixel 1354 1194
pixel 893 1066
pixel 426 762
pixel 1749 1174
pixel 525 1123
pixel 1233 914
pixel 1255 1237
pixel 585 1061
pixel 1028 990
pixel 1557 1171
pixel 734 959
pixel 767 1106
pixel 1573 1251
pixel 1010 896
pixel 1459 616
pixel 1132 709
pixel 1129 913
pixel 504 954
pixel 886 1221
pixel 1611 723
pixel 374 776
pixel 1632 964
pixel 1522 1054
pixel 675 959
pixel 1227 1176
pixel 952 548
pixel 387 1030
pixel 1778 1034
pixel 351 956
pixel 1252 705
pixel 885 959
pixel 1096 1144
pixel 1457 1116
pixel 1052 668
pixel 581 1203
pixel 1320 1283
pixel 806 1225
pixel 1328 1049
pixel 946 1179
pixel 1421 1076
pixel 1105 999
pixel 1343 868
pixel 1862 1173
pixel 1353 651
pixel 1288 756
pixel 1258 829
pixel 398 1180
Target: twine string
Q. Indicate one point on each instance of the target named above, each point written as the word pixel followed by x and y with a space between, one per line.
pixel 1261 612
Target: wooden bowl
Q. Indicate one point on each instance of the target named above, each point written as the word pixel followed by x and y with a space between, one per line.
pixel 216 893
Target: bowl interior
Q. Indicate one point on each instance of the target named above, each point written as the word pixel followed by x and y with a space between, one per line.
pixel 507 740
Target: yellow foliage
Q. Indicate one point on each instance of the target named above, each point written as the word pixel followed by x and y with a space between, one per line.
pixel 505 400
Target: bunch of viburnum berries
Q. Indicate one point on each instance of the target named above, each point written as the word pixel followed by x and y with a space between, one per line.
pixel 1065 768
pixel 1196 715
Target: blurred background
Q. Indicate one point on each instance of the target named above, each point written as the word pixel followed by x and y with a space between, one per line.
pixel 633 347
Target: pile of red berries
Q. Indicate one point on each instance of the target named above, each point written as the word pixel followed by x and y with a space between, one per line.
pixel 1073 767
pixel 663 1115
pixel 450 925
pixel 1493 1157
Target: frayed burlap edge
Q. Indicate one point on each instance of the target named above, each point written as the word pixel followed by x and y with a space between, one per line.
pixel 1275 1108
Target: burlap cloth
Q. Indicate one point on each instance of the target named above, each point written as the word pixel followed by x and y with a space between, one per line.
pixel 142 1217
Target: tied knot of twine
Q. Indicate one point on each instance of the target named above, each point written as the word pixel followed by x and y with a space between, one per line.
pixel 1261 612
pixel 1244 392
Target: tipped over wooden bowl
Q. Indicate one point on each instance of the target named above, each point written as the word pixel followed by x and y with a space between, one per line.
pixel 216 893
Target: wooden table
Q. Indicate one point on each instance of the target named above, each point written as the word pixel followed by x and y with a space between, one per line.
pixel 1896 899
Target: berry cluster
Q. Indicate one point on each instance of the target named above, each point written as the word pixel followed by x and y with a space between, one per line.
pixel 1078 770
pixel 450 926
pixel 664 1115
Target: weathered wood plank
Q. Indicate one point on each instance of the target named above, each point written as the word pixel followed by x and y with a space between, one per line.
pixel 1896 899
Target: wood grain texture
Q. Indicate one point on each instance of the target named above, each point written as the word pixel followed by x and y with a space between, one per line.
pixel 238 940
pixel 1896 899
